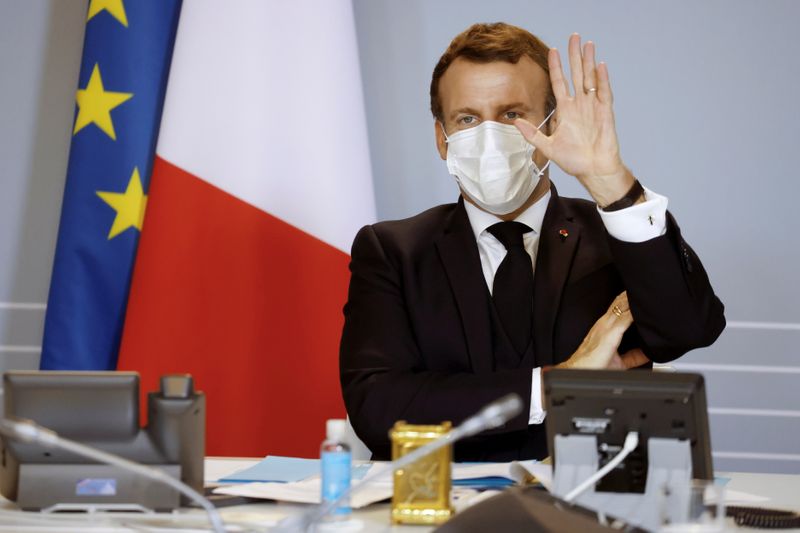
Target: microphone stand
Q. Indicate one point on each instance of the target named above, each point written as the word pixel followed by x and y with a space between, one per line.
pixel 493 415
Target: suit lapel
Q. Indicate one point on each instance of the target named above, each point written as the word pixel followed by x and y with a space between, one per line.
pixel 458 252
pixel 557 244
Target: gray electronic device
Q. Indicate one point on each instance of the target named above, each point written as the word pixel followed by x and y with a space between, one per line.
pixel 101 409
pixel 589 414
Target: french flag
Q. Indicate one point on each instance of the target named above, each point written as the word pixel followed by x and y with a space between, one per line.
pixel 261 180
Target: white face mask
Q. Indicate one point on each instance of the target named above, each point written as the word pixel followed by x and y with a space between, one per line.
pixel 493 164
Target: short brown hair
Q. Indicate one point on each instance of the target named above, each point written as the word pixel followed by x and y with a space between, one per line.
pixel 484 43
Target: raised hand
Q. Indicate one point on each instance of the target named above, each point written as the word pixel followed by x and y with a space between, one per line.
pixel 599 348
pixel 584 143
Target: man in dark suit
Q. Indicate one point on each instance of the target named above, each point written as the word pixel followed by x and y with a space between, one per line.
pixel 466 302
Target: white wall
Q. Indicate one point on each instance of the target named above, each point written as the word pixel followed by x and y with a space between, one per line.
pixel 40 52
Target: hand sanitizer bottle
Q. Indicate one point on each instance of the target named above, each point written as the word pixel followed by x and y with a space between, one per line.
pixel 336 460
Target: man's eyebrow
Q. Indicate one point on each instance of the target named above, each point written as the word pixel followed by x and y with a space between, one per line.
pixel 518 105
pixel 470 111
pixel 465 111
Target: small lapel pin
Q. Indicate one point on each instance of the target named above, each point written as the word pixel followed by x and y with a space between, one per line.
pixel 563 233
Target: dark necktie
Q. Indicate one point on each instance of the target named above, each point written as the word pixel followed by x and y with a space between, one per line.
pixel 512 291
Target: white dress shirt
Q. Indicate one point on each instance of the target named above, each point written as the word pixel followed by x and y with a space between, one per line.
pixel 638 223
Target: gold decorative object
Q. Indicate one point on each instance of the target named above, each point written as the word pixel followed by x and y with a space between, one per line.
pixel 421 490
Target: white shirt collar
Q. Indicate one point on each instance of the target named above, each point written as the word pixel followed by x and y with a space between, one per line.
pixel 532 217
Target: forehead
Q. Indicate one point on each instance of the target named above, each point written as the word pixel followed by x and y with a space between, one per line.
pixel 492 85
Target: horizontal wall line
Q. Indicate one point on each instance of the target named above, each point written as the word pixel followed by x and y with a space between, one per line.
pixel 10 348
pixel 710 367
pixel 786 326
pixel 23 306
pixel 735 411
pixel 757 456
pixel 732 324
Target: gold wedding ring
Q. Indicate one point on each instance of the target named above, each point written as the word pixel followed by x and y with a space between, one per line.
pixel 617 311
pixel 591 90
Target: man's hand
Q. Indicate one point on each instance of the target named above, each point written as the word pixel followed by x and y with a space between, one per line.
pixel 584 143
pixel 599 349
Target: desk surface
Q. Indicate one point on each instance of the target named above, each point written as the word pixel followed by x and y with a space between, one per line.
pixel 783 492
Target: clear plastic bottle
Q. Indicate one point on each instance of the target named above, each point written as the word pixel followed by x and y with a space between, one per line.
pixel 336 463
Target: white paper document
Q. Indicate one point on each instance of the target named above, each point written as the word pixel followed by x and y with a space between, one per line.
pixel 306 491
pixel 380 488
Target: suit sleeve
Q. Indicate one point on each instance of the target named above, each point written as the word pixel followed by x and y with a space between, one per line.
pixel 673 304
pixel 383 376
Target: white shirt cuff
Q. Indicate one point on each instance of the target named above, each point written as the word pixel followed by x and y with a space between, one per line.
pixel 537 412
pixel 639 222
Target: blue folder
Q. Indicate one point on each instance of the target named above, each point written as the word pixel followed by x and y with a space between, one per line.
pixel 285 470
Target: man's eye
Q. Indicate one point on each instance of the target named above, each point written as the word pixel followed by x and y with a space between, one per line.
pixel 467 120
pixel 512 115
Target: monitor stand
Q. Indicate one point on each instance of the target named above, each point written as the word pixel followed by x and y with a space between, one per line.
pixel 667 488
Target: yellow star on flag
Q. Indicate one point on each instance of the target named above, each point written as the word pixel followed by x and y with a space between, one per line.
pixel 114 7
pixel 129 205
pixel 95 105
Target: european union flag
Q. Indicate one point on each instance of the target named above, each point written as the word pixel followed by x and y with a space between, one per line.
pixel 126 56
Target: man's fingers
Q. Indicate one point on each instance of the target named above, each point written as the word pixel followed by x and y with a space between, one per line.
pixel 615 321
pixel 618 319
pixel 621 298
pixel 576 62
pixel 589 71
pixel 600 345
pixel 620 309
pixel 534 136
pixel 604 93
pixel 557 79
pixel 634 358
pixel 609 330
pixel 620 302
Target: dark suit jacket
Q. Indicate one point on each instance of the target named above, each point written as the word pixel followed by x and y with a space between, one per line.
pixel 417 344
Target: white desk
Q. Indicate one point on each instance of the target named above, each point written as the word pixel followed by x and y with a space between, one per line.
pixel 783 492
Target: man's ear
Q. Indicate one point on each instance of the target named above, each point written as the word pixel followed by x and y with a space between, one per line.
pixel 441 144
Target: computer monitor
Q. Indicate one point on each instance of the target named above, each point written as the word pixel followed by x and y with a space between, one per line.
pixel 608 404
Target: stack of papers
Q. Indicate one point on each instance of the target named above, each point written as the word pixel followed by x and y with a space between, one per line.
pixel 292 479
pixel 297 480
pixel 306 491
